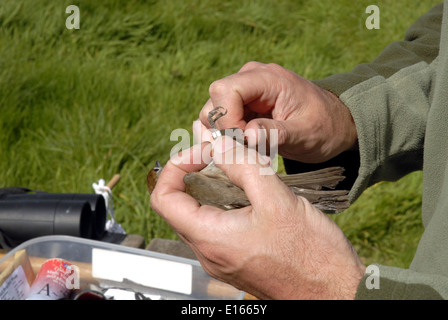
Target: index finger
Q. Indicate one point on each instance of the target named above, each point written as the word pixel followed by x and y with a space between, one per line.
pixel 252 87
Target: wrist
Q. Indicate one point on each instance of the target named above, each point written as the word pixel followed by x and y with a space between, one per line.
pixel 344 126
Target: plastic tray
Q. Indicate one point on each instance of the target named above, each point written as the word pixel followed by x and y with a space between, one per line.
pixel 115 266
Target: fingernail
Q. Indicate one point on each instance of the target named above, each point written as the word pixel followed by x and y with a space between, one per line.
pixel 207 152
pixel 224 144
pixel 197 132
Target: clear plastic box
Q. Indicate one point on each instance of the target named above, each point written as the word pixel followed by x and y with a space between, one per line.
pixel 114 266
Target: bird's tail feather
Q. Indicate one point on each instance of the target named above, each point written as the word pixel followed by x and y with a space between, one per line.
pixel 329 201
pixel 328 178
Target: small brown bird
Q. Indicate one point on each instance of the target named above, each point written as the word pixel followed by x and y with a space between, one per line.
pixel 212 187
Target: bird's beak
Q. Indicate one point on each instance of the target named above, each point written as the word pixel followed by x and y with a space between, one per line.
pixel 152 177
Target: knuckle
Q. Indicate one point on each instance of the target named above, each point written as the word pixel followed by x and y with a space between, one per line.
pixel 251 65
pixel 218 87
pixel 274 67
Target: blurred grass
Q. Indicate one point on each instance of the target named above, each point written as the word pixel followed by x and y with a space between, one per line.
pixel 79 105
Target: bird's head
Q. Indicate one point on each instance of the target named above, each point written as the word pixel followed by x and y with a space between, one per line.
pixel 152 177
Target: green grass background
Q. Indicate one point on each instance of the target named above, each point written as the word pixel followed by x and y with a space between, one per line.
pixel 80 105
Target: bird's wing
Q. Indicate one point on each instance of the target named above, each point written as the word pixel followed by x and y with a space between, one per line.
pixel 214 192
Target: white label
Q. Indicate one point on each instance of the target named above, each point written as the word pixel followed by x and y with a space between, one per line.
pixel 16 287
pixel 147 271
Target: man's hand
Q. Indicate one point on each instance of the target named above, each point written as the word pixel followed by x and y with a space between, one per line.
pixel 313 124
pixel 281 247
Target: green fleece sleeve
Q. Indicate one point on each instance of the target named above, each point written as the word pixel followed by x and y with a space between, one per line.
pixel 393 115
pixel 390 283
pixel 389 99
pixel 420 44
pixel 393 101
pixel 390 116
